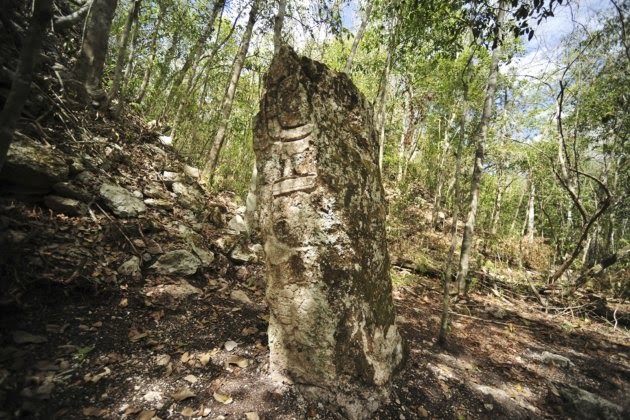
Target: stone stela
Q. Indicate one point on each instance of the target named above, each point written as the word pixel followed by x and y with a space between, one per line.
pixel 322 212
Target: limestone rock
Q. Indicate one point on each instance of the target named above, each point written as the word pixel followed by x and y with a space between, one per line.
pixel 179 262
pixel 191 171
pixel 120 201
pixel 206 257
pixel 131 267
pixel 237 224
pixel 322 213
pixel 70 190
pixel 188 195
pixel 586 405
pixel 154 190
pixel 159 203
pixel 31 164
pixel 67 206
pixel 170 294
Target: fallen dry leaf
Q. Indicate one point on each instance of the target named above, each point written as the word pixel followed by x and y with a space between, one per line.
pixel 169 369
pixel 22 337
pixel 191 378
pixel 189 412
pixel 146 415
pixel 94 412
pixel 252 415
pixel 182 394
pixel 123 302
pixel 132 410
pixel 95 378
pixel 135 335
pixel 230 345
pixel 238 361
pixel 163 359
pixel 249 331
pixel 223 399
pixel 185 357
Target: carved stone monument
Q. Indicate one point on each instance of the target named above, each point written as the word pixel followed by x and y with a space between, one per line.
pixel 322 210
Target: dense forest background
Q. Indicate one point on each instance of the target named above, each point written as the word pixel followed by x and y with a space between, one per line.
pixel 553 150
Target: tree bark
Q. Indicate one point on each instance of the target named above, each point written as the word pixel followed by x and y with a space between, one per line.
pixel 63 22
pixel 278 24
pixel 381 99
pixel 21 84
pixel 91 61
pixel 149 65
pixel 228 97
pixel 115 92
pixel 531 211
pixel 463 283
pixel 359 36
pixel 455 217
pixel 195 52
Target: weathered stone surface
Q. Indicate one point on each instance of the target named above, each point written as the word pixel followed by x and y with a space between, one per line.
pixel 322 211
pixel 70 190
pixel 188 195
pixel 179 262
pixel 65 205
pixel 120 201
pixel 586 405
pixel 33 165
pixel 131 267
pixel 237 224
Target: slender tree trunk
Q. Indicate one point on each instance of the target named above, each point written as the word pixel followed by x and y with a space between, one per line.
pixel 91 62
pixel 359 36
pixel 21 84
pixel 278 24
pixel 131 60
pixel 437 203
pixel 518 210
pixel 381 99
pixel 195 52
pixel 115 93
pixel 455 217
pixel 531 211
pixel 63 22
pixel 228 97
pixel 467 241
pixel 149 65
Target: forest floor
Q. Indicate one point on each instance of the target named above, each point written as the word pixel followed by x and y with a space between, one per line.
pixel 79 340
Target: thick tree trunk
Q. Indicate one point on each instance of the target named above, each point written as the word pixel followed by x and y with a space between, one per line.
pixel 463 283
pixel 21 84
pixel 115 93
pixel 228 97
pixel 359 36
pixel 91 61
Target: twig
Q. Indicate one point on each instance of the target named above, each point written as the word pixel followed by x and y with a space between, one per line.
pixel 119 229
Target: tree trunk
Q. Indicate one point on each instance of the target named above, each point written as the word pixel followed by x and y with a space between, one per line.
pixel 115 93
pixel 278 24
pixel 228 97
pixel 518 210
pixel 381 99
pixel 63 22
pixel 195 52
pixel 131 60
pixel 91 61
pixel 531 211
pixel 496 211
pixel 359 36
pixel 153 49
pixel 455 217
pixel 463 283
pixel 21 84
pixel 437 203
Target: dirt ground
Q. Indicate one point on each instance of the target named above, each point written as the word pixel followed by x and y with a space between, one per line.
pixel 81 350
